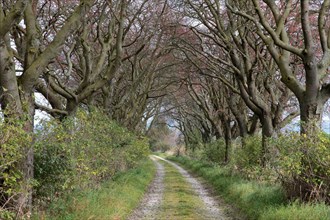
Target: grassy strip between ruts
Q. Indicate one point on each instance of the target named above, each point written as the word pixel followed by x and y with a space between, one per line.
pixel 115 199
pixel 257 201
pixel 179 199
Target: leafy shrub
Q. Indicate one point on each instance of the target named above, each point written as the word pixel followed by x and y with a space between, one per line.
pixel 52 159
pixel 300 163
pixel 246 160
pixel 250 153
pixel 303 165
pixel 125 190
pixel 13 139
pixel 214 151
pixel 160 146
pixel 82 152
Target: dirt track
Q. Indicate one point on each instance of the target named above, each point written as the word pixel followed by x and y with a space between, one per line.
pixel 150 206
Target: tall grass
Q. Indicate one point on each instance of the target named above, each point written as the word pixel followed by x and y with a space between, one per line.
pixel 296 211
pixel 255 200
pixel 81 153
pixel 114 199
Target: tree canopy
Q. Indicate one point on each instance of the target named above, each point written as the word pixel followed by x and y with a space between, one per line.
pixel 214 68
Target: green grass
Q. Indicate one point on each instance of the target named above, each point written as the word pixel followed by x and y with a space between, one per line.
pixel 115 199
pixel 296 211
pixel 255 200
pixel 179 199
pixel 160 154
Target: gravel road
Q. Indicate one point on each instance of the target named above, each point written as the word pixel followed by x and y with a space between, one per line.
pixel 151 203
pixel 152 200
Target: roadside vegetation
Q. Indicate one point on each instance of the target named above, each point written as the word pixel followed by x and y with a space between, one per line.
pixel 113 199
pixel 224 79
pixel 80 154
pixel 299 164
pixel 74 156
pixel 268 190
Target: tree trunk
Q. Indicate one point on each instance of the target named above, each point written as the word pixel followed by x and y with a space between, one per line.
pixel 227 136
pixel 71 107
pixel 267 132
pixel 18 108
pixel 10 99
pixel 26 165
pixel 310 116
pixel 240 116
pixel 242 124
pixel 254 125
pixel 219 133
pixel 227 142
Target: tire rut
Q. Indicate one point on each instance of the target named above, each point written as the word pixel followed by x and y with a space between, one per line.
pixel 211 208
pixel 151 202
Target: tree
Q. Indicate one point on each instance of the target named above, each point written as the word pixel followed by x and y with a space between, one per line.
pixel 90 59
pixel 296 38
pixel 233 53
pixel 31 56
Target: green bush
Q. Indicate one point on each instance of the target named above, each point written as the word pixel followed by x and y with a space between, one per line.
pixel 159 146
pixel 300 163
pixel 214 151
pixel 303 165
pixel 82 152
pixel 246 160
pixel 13 140
pixel 52 164
pixel 250 153
pixel 114 199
